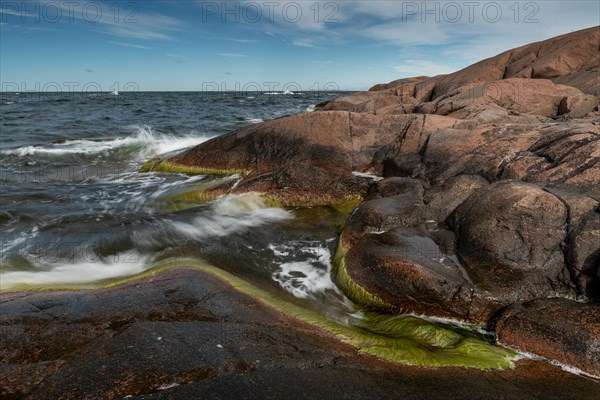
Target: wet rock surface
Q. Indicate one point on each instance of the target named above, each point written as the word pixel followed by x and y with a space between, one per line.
pixel 509 236
pixel 184 334
pixel 492 181
pixel 557 329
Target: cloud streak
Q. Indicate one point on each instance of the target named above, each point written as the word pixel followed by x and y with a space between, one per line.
pixel 135 46
pixel 130 23
pixel 235 55
pixel 422 67
pixel 304 43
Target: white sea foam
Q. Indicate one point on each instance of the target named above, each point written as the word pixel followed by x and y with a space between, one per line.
pixel 77 272
pixel 304 279
pixel 145 141
pixel 284 92
pixel 280 250
pixel 230 214
pixel 311 108
pixel 564 367
pixel 6 246
pixel 367 175
pixel 255 120
pixel 139 197
pixel 166 386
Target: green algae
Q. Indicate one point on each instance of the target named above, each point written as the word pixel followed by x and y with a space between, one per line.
pixel 397 338
pixel 167 166
pixel 349 205
pixel 317 217
pixel 304 205
pixel 195 197
pixel 341 204
pixel 200 194
pixel 149 165
pixel 351 288
pixel 401 339
pixel 409 340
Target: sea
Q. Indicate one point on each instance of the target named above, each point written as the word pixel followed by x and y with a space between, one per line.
pixel 75 211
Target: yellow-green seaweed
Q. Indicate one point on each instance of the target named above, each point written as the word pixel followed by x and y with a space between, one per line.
pixel 204 195
pixel 148 166
pixel 200 194
pixel 351 288
pixel 282 199
pixel 167 166
pixel 402 339
pixel 409 340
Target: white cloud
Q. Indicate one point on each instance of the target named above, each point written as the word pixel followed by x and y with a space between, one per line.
pixel 422 67
pixel 304 43
pixel 137 33
pixel 135 46
pixel 232 55
pixel 5 10
pixel 142 26
pixel 242 40
pixel 409 33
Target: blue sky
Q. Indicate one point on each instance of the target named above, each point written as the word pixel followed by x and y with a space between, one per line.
pixel 195 45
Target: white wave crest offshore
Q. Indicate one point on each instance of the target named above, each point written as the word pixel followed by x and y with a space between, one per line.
pixel 255 120
pixel 145 141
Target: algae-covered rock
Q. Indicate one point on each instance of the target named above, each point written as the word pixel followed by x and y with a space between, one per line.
pixel 186 332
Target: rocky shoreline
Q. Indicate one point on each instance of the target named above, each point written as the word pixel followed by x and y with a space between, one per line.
pixel 488 201
pixel 184 334
pixel 475 197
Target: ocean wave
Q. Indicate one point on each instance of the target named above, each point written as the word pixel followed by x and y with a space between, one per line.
pixel 144 143
pixel 229 214
pixel 284 92
pixel 255 120
pixel 75 273
pixel 7 244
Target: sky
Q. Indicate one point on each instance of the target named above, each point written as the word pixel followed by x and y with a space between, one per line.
pixel 76 45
